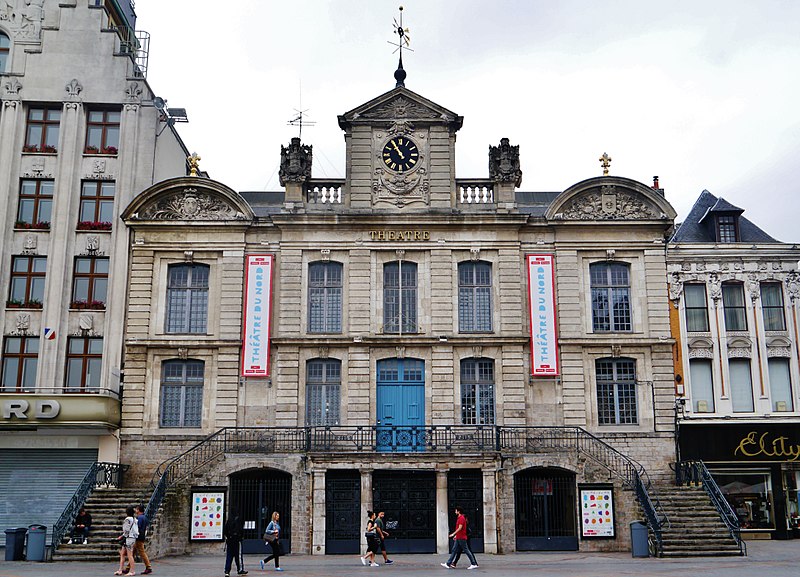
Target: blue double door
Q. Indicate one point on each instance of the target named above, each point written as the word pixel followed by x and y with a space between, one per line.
pixel 401 405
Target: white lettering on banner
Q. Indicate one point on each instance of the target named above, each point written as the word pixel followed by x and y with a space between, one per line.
pixel 541 292
pixel 18 409
pixel 256 326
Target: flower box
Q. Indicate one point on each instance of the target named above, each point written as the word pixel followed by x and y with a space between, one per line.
pixel 91 150
pixel 17 304
pixel 110 150
pixel 47 148
pixel 93 225
pixel 91 305
pixel 43 225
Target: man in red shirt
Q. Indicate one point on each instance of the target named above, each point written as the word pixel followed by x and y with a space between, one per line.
pixel 459 537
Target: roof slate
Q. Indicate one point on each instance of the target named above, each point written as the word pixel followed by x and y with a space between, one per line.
pixel 692 230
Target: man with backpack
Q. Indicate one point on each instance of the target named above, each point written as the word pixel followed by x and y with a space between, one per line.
pixel 232 532
pixel 460 544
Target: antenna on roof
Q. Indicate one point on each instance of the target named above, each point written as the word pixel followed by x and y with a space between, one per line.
pixel 299 122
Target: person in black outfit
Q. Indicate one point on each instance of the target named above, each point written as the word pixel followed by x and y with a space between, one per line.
pixel 83 522
pixel 232 532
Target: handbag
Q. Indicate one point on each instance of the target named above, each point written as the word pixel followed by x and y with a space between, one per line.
pixel 270 537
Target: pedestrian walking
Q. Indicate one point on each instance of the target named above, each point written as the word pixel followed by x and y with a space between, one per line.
pixel 459 537
pixel 272 536
pixel 232 533
pixel 373 542
pixel 138 547
pixel 469 542
pixel 382 534
pixel 130 530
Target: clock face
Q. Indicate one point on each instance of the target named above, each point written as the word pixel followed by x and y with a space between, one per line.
pixel 400 154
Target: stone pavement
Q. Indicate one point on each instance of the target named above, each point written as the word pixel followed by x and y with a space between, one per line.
pixel 765 559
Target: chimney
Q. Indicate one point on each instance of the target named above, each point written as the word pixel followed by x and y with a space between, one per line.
pixel 656 187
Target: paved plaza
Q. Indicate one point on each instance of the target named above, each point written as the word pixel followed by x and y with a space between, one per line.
pixel 765 559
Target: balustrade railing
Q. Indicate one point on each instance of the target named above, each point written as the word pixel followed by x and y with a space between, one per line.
pixel 327 191
pixel 475 191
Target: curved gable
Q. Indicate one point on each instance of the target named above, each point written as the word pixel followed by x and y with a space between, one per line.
pixel 610 198
pixel 188 198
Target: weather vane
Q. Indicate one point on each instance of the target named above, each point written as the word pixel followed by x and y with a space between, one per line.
pixel 403 41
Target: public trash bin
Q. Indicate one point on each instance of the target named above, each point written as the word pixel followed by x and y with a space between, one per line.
pixel 639 547
pixel 36 538
pixel 15 543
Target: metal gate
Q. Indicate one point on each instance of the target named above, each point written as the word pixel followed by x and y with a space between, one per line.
pixel 343 518
pixel 545 507
pixel 256 494
pixel 465 490
pixel 409 500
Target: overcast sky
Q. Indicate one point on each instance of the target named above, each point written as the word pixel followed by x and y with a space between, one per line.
pixel 703 93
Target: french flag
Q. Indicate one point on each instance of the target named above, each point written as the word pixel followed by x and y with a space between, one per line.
pixel 49 334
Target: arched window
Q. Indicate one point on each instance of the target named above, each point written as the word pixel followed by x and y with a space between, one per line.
pixel 5 47
pixel 475 297
pixel 611 297
pixel 323 392
pixel 616 392
pixel 400 297
pixel 187 298
pixel 182 393
pixel 325 297
pixel 477 391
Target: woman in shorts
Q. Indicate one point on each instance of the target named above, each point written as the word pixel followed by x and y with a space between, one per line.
pixel 130 531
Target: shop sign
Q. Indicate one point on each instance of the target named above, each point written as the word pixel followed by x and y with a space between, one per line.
pixel 773 442
pixel 542 303
pixel 72 409
pixel 406 235
pixel 22 409
pixel 257 310
pixel 208 514
pixel 597 511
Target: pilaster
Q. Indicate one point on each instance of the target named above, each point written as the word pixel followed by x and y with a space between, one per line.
pixel 442 527
pixel 11 120
pixel 489 512
pixel 318 509
pixel 366 502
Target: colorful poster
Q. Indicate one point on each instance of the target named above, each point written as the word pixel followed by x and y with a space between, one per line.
pixel 597 512
pixel 208 514
pixel 257 313
pixel 542 303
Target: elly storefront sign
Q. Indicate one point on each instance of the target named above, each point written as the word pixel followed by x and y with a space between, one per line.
pixel 773 442
pixel 755 445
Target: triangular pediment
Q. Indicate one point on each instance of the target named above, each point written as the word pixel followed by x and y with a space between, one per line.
pixel 400 104
pixel 188 198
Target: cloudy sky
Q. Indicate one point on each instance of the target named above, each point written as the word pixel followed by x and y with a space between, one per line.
pixel 703 93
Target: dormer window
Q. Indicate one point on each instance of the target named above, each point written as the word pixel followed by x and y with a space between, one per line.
pixel 726 228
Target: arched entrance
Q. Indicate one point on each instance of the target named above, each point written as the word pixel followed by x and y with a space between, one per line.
pixel 256 494
pixel 545 510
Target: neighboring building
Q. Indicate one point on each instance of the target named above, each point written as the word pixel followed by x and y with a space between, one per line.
pixel 736 291
pixel 79 138
pixel 400 364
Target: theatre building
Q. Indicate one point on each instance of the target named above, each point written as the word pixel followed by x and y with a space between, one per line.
pixel 735 292
pixel 365 343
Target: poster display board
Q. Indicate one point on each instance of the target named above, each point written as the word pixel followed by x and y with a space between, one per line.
pixel 542 303
pixel 208 513
pixel 257 315
pixel 597 511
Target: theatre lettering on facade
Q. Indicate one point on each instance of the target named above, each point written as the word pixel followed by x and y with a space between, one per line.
pixel 412 341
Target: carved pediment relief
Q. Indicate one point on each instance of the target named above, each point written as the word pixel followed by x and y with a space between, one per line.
pixel 609 203
pixel 190 204
pixel 401 107
pixel 779 341
pixel 701 343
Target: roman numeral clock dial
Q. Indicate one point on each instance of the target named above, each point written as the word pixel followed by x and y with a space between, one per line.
pixel 400 154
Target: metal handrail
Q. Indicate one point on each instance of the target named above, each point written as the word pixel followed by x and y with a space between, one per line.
pixel 100 474
pixel 696 472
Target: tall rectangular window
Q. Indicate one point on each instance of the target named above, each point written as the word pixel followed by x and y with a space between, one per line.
pixel 726 229
pixel 27 280
pixel 741 385
pixel 182 393
pixel 400 297
pixel 616 392
pixel 702 383
pixel 84 360
pixel 97 205
pixel 477 392
pixel 325 297
pixel 5 45
pixel 611 302
pixel 475 297
pixel 772 306
pixel 187 298
pixel 102 131
pixel 20 361
pixel 90 282
pixel 41 130
pixel 780 384
pixel 734 307
pixel 35 204
pixel 696 307
pixel 323 386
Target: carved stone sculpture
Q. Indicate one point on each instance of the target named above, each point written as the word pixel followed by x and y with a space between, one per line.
pixel 23 17
pixel 793 285
pixel 675 288
pixel 504 163
pixel 295 162
pixel 190 205
pixel 23 322
pixel 714 286
pixel 73 89
pixel 608 204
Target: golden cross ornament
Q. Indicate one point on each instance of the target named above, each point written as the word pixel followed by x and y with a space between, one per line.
pixel 194 163
pixel 605 160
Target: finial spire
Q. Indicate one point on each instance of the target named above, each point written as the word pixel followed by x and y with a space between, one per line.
pixel 194 163
pixel 605 160
pixel 403 40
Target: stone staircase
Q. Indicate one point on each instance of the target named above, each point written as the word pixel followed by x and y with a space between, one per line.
pixel 696 528
pixel 107 507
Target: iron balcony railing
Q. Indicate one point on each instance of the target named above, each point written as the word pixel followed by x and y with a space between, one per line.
pixel 99 475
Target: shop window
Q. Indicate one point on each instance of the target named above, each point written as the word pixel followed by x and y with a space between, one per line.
pixel 182 393
pixel 734 307
pixel 741 385
pixel 696 308
pixel 20 363
pixel 27 281
pixel 325 297
pixel 772 306
pixel 102 132
pixel 84 361
pixel 702 383
pixel 611 298
pixel 41 130
pixel 187 298
pixel 780 384
pixel 477 392
pixel 323 392
pixel 97 205
pixel 5 47
pixel 35 204
pixel 616 392
pixel 475 297
pixel 400 297
pixel 750 496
